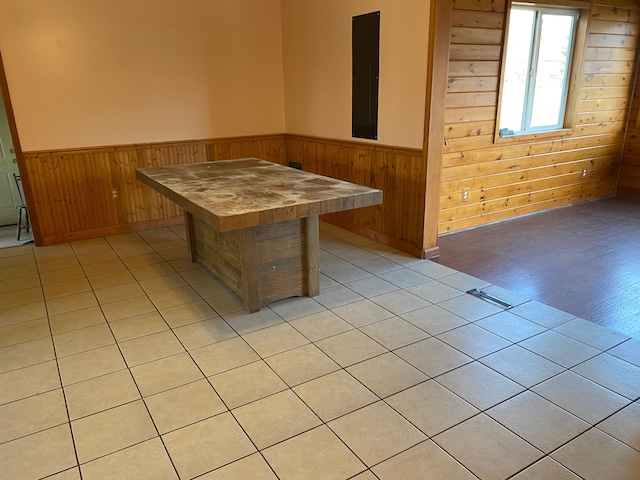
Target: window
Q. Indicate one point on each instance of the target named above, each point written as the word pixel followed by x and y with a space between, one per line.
pixel 366 64
pixel 537 69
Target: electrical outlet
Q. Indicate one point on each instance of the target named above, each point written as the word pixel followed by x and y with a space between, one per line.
pixel 114 194
pixel 465 194
pixel 584 172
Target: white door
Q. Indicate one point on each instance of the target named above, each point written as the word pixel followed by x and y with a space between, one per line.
pixel 9 197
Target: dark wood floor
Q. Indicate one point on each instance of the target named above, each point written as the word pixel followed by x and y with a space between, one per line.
pixel 583 259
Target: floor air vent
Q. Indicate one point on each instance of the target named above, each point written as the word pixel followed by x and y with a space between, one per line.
pixel 485 296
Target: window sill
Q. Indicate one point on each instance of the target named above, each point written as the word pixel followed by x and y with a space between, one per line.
pixel 530 137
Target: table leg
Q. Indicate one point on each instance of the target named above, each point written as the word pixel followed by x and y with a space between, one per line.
pixel 191 237
pixel 313 256
pixel 250 276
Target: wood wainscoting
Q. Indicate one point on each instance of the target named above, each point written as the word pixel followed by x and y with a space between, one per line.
pixel 629 179
pixel 86 193
pixel 399 172
pixel 512 178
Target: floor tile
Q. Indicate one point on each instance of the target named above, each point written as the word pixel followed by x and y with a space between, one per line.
pixel 588 332
pixel 334 296
pixel 350 347
pixel 243 322
pixel 463 282
pixel 470 308
pixel 404 278
pixel 204 333
pixel 522 414
pixel 301 364
pixel 345 273
pixel 546 468
pixel 100 393
pixel 433 356
pixel 138 326
pixel 320 325
pixel 275 418
pixel 362 313
pixel 109 431
pixel 83 339
pixel 542 314
pixel 22 313
pixel 386 374
pixel 223 356
pixel 487 448
pixel 473 340
pixel 522 366
pixel 479 385
pixel 246 384
pixel 70 474
pixel 273 340
pixel 355 254
pixel 334 395
pixel 400 302
pixel 38 455
pixel 75 320
pixel 176 296
pixel 226 303
pixel 103 267
pixel 394 333
pixel 24 332
pixel 118 292
pixel 26 354
pixel 431 407
pixel 97 257
pixel 611 372
pixel 425 460
pixel 127 308
pixel 69 287
pixel 628 351
pixel 623 425
pixel 163 283
pixel 510 326
pixel 144 461
pixel 140 260
pixel 371 286
pixel 184 405
pixel 212 288
pixel 580 396
pixel 9 285
pixel 376 433
pixel 69 303
pixel 559 349
pixel 150 347
pixel 188 313
pixel 251 467
pixel 150 271
pixel 378 265
pixel 28 381
pixel 111 279
pixel 48 278
pixel 166 373
pixel 296 307
pixel 94 363
pixel 31 415
pixel 434 291
pixel 596 455
pixel 315 454
pixel 434 319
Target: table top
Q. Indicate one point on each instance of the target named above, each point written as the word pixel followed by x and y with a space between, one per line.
pixel 234 194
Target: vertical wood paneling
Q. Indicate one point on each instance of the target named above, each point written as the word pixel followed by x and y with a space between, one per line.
pixel 514 178
pixel 399 173
pixel 72 189
pixel 629 178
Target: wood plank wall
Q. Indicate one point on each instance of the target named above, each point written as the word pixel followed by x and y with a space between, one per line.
pixel 629 179
pixel 398 172
pixel 511 179
pixel 72 189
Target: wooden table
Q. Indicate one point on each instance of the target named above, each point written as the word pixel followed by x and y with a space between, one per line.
pixel 254 224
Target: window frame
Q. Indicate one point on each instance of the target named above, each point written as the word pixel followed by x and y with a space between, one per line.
pixel 576 63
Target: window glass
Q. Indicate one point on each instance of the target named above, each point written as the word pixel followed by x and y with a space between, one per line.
pixel 537 67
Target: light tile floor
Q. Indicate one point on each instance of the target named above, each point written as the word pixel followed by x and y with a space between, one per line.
pixel 120 359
